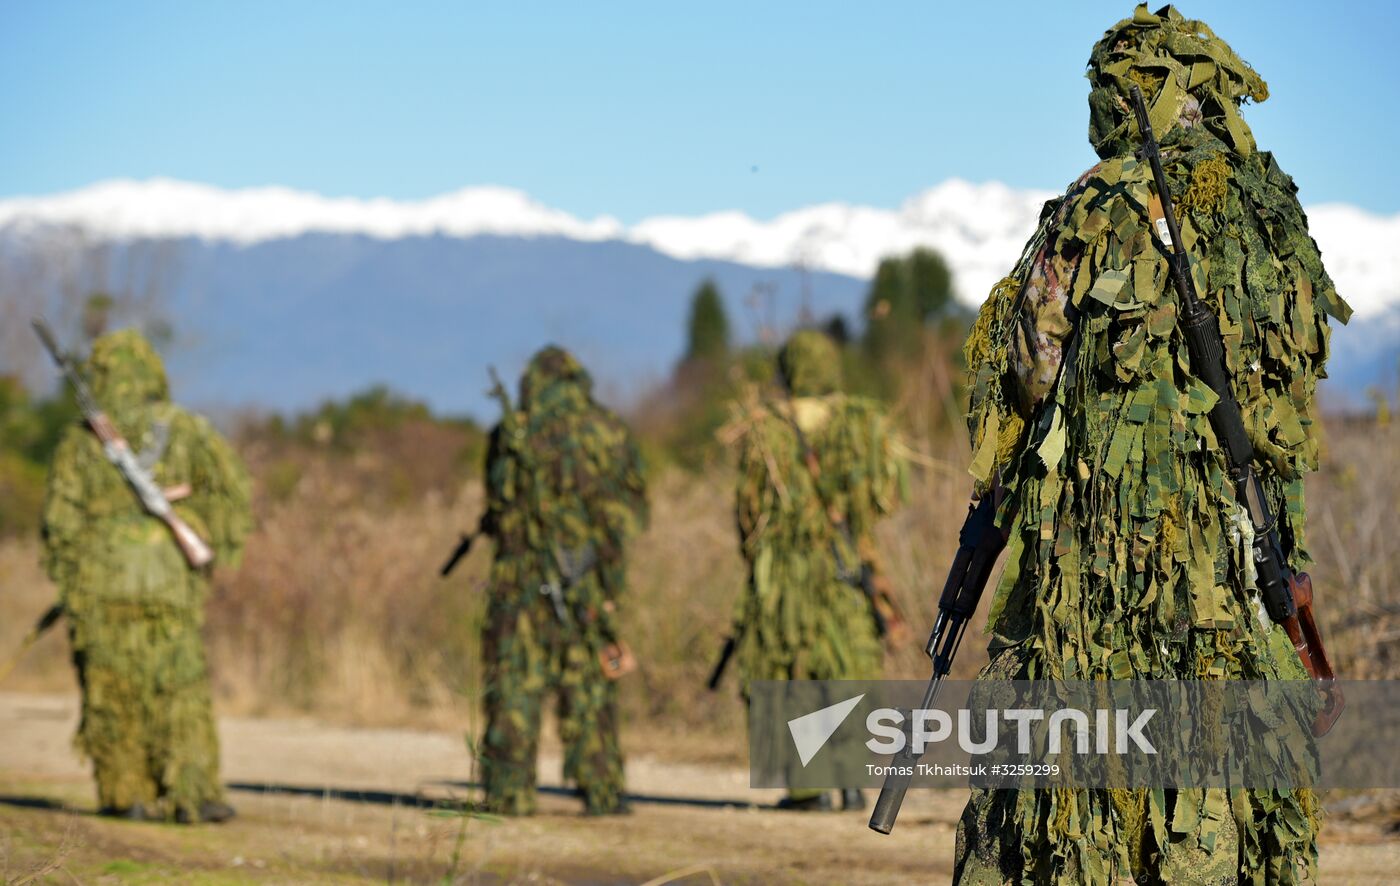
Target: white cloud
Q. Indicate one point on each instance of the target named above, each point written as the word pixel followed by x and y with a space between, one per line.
pixel 167 208
pixel 980 228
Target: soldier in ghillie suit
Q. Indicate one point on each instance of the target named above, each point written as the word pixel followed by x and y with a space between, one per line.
pixel 134 606
pixel 805 528
pixel 1125 557
pixel 565 494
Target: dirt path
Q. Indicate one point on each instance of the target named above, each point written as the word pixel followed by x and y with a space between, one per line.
pixel 373 823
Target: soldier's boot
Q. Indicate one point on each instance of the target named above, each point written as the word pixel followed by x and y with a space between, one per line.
pixel 852 799
pixel 512 802
pixel 805 801
pixel 210 812
pixel 603 797
pixel 132 813
pixel 618 806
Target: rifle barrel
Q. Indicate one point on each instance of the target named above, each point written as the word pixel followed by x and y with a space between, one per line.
pixel 730 644
pixel 45 622
pixel 979 544
pixel 458 553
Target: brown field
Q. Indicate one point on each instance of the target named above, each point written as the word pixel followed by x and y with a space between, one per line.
pixel 342 661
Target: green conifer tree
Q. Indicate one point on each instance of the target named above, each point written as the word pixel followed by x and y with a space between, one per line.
pixel 891 317
pixel 930 281
pixel 708 326
pixel 905 295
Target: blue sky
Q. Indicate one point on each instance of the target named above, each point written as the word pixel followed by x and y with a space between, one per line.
pixel 638 109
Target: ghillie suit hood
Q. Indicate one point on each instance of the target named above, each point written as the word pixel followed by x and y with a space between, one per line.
pixel 128 381
pixel 124 371
pixel 810 364
pixel 554 379
pixel 1188 76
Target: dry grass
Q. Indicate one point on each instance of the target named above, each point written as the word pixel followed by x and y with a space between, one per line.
pixel 1353 505
pixel 339 612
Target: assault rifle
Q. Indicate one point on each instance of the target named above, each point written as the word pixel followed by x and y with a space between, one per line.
pixel 155 500
pixel 464 545
pixel 1287 595
pixel 980 542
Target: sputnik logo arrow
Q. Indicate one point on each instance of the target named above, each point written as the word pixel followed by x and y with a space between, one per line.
pixel 811 731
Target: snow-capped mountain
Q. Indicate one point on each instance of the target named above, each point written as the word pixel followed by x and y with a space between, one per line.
pixel 281 297
pixel 979 228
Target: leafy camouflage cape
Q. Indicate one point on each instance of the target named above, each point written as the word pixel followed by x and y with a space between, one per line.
pixel 1128 555
pixel 565 493
pixel 135 608
pixel 799 618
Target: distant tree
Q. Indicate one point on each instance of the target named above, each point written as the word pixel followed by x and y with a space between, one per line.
pixel 708 327
pixel 29 433
pixel 892 318
pixel 376 408
pixel 906 294
pixel 931 282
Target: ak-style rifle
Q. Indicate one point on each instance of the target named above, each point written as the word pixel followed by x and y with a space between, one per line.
pixel 155 500
pixel 980 542
pixel 1287 595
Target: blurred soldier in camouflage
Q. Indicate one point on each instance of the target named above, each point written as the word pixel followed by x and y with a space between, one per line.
pixel 1127 557
pixel 805 528
pixel 134 606
pixel 564 496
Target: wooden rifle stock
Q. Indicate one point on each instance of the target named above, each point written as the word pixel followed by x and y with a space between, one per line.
pixel 197 553
pixel 1307 642
pixel 155 500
